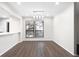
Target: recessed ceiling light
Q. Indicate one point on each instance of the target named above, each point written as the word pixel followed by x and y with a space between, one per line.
pixel 19 3
pixel 57 3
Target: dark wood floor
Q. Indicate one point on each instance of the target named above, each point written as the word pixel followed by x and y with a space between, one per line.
pixel 37 49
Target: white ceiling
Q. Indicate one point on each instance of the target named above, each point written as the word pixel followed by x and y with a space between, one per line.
pixel 45 8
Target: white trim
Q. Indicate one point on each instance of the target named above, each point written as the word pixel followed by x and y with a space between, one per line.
pixel 36 39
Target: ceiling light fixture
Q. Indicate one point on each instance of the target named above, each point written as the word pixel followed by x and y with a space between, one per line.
pixel 57 3
pixel 19 3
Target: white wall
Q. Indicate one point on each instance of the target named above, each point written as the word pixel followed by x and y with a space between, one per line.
pixel 48 28
pixel 63 29
pixel 2 26
pixel 14 25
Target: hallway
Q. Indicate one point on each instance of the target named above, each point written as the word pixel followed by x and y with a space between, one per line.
pixel 37 49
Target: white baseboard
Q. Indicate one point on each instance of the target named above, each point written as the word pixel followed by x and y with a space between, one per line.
pixel 37 39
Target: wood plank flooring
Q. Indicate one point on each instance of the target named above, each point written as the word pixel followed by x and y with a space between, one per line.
pixel 37 49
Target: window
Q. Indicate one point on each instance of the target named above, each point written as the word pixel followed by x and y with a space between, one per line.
pixel 34 28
